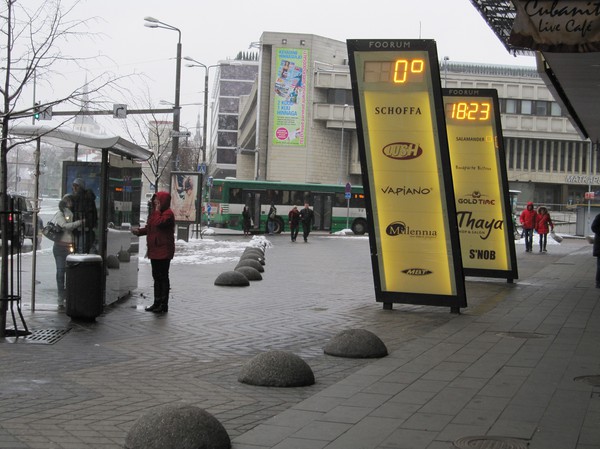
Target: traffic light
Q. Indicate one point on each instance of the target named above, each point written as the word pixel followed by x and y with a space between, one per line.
pixel 36 111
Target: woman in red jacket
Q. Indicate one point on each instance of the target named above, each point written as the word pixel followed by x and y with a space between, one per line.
pixel 543 225
pixel 160 238
pixel 527 219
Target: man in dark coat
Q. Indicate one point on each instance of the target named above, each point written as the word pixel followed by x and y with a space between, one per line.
pixel 84 208
pixel 307 217
pixel 596 250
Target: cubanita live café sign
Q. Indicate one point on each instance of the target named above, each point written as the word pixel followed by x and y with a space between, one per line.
pixel 560 26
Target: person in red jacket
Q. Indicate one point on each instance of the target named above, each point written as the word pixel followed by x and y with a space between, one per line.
pixel 160 238
pixel 528 220
pixel 543 225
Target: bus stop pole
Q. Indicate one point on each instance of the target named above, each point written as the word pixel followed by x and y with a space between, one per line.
pixel 36 208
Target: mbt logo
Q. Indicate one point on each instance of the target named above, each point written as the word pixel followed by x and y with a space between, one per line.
pixel 417 271
pixel 402 150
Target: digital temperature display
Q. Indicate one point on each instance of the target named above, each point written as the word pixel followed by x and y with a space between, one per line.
pixel 473 111
pixel 399 71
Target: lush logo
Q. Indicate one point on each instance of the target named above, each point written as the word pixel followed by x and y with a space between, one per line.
pixel 402 150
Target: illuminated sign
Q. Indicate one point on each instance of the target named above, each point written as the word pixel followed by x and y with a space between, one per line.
pixel 480 182
pixel 406 173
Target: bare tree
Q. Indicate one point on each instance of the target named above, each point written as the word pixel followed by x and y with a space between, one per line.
pixel 30 42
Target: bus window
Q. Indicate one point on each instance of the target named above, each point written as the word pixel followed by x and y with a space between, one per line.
pixel 216 192
pixel 285 197
pixel 297 198
pixel 340 200
pixel 235 196
pixel 272 196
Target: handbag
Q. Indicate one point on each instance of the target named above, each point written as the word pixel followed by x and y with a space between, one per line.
pixel 52 231
pixel 557 238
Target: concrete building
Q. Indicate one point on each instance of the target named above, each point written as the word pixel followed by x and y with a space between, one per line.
pixel 546 158
pixel 234 79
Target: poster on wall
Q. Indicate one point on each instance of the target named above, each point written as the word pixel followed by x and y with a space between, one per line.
pixel 480 182
pixel 184 196
pixel 289 99
pixel 415 248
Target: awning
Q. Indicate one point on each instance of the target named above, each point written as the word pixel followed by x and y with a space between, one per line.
pixel 115 144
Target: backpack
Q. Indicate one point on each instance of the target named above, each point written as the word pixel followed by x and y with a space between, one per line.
pixel 273 214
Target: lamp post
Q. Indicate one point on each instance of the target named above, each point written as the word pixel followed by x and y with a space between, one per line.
pixel 341 180
pixel 446 59
pixel 151 22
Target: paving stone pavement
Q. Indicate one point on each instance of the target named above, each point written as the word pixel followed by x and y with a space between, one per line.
pixel 86 390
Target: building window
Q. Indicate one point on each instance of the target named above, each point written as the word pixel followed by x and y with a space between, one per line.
pixel 526 107
pixel 339 96
pixel 555 110
pixel 541 108
pixel 511 106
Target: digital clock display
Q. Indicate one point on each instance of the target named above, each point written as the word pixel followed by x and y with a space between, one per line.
pixel 473 111
pixel 398 71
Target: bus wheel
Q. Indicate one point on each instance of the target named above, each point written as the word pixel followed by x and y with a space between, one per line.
pixel 359 226
pixel 278 229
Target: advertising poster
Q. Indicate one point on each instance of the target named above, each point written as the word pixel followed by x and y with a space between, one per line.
pixel 405 163
pixel 480 182
pixel 289 103
pixel 184 196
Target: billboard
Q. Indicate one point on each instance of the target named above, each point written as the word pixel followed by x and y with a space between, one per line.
pixel 184 196
pixel 415 249
pixel 289 99
pixel 480 182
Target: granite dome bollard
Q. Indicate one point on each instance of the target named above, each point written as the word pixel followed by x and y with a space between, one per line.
pixel 252 256
pixel 177 427
pixel 277 369
pixel 232 279
pixel 357 344
pixel 251 274
pixel 251 263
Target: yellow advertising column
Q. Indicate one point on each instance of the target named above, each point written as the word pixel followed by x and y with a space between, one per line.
pixel 403 146
pixel 480 183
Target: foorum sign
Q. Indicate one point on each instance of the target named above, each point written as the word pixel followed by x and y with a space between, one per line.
pixel 415 249
pixel 480 183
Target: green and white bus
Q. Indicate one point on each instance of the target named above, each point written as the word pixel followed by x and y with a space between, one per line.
pixel 227 198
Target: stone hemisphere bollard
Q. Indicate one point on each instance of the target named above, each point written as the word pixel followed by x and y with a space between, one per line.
pixel 177 427
pixel 232 279
pixel 112 262
pixel 253 249
pixel 251 274
pixel 277 369
pixel 253 252
pixel 356 344
pixel 251 263
pixel 252 256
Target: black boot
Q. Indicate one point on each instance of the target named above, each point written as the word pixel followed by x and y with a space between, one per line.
pixel 163 305
pixel 153 307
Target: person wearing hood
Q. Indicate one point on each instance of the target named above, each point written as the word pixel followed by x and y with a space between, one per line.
pixel 528 220
pixel 160 240
pixel 84 208
pixel 64 245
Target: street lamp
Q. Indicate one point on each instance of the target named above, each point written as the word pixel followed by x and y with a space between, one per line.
pixel 204 124
pixel 446 59
pixel 341 180
pixel 151 22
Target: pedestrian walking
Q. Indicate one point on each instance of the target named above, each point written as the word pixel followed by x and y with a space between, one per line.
pixel 543 225
pixel 528 220
pixel 596 249
pixel 160 238
pixel 246 220
pixel 307 217
pixel 271 218
pixel 294 220
pixel 64 245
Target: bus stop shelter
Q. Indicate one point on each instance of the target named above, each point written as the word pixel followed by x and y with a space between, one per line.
pixel 118 155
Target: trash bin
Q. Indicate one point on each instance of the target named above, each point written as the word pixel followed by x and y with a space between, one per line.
pixel 84 286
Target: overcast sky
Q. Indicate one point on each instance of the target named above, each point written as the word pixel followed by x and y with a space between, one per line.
pixel 214 30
